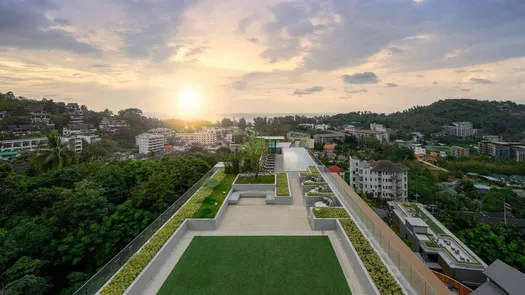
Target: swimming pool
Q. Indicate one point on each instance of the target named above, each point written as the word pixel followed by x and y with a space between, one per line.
pixel 296 159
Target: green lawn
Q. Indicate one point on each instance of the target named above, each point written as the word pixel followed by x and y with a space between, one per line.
pixel 261 179
pixel 282 185
pixel 433 226
pixel 208 209
pixel 257 265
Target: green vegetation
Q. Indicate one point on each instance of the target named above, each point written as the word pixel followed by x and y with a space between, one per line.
pixel 484 165
pixel 261 179
pixel 330 212
pixel 309 182
pixel 323 194
pixel 383 279
pixel 55 155
pixel 306 174
pixel 121 281
pixel 212 203
pixel 431 224
pixel 257 265
pixel 431 244
pixel 282 185
pixel 313 169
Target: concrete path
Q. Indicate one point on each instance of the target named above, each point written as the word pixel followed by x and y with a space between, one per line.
pixel 430 164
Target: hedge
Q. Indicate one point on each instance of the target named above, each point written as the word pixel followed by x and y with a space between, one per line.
pixel 322 194
pixel 383 279
pixel 313 169
pixel 330 212
pixel 134 266
pixel 282 185
pixel 309 182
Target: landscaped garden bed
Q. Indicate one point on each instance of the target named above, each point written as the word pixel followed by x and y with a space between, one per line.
pixel 134 266
pixel 320 194
pixel 282 185
pixel 382 278
pixel 313 169
pixel 309 182
pixel 260 179
pixel 257 265
pixel 330 212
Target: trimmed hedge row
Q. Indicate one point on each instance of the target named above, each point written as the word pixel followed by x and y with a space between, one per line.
pixel 322 194
pixel 282 185
pixel 330 212
pixel 383 279
pixel 134 266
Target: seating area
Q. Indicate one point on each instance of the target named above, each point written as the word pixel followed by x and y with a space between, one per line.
pixel 269 196
pixel 325 202
pixel 268 162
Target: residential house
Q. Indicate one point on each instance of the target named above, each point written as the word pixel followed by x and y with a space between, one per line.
pixel 329 147
pixel 377 127
pixel 78 129
pixel 40 117
pixel 112 124
pixel 337 169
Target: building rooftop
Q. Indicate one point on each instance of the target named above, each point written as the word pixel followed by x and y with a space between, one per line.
pixel 271 137
pixel 503 280
pixel 388 166
pixel 374 132
pixel 416 221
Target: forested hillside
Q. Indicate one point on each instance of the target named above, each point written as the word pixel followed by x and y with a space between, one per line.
pixel 495 117
pixel 57 228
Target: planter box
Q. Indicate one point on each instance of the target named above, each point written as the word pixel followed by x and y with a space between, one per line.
pixel 284 200
pixel 320 223
pixel 209 223
pixel 142 281
pixel 253 187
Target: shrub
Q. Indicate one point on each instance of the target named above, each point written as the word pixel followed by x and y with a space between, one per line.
pixel 431 244
pixel 323 194
pixel 330 212
pixel 127 274
pixel 309 182
pixel 282 185
pixel 261 179
pixel 313 169
pixel 383 279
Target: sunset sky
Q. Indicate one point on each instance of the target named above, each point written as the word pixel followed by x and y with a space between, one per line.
pixel 262 56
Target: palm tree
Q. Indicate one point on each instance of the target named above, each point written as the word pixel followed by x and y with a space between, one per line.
pixel 55 154
pixel 251 153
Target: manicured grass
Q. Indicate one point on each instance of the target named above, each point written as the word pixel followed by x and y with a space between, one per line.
pixel 313 169
pixel 330 212
pixel 433 226
pixel 257 265
pixel 208 209
pixel 282 185
pixel 261 179
pixel 431 244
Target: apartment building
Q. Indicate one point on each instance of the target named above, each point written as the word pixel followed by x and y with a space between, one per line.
pixel 520 153
pixel 148 142
pixel 377 127
pixel 462 129
pixel 76 117
pixel 329 137
pixel 379 135
pixel 501 150
pixel 458 151
pixel 494 138
pixel 206 137
pixel 111 124
pixel 40 117
pixel 433 243
pixel 22 144
pixel 380 179
pixel 77 129
pixel 162 131
pixel 418 150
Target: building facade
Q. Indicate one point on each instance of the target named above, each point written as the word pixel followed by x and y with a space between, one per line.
pixel 329 137
pixel 458 151
pixel 206 137
pixel 111 124
pixel 379 135
pixel 501 150
pixel 380 179
pixel 148 142
pixel 377 127
pixel 462 129
pixel 22 144
pixel 40 117
pixel 162 131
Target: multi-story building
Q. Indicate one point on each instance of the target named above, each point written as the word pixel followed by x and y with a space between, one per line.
pixel 433 243
pixel 501 150
pixel 315 126
pixel 148 142
pixel 418 150
pixel 206 137
pixel 22 144
pixel 381 179
pixel 72 107
pixel 494 138
pixel 462 129
pixel 379 135
pixel 329 137
pixel 520 153
pixel 458 151
pixel 112 124
pixel 162 131
pixel 377 127
pixel 76 117
pixel 78 129
pixel 40 117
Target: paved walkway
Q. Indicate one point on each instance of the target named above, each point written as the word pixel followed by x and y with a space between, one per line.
pixel 430 164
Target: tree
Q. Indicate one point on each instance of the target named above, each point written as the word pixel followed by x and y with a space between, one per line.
pixel 55 154
pixel 99 150
pixel 242 123
pixel 226 122
pixel 251 153
pixel 131 112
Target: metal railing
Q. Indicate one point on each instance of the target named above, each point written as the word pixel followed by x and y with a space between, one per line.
pixel 422 281
pixel 93 285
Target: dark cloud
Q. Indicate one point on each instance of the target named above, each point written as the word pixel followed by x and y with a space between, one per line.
pixel 361 78
pixel 61 21
pixel 350 91
pixel 420 76
pixel 435 83
pixel 24 25
pixel 196 50
pixel 254 40
pixel 480 81
pixel 460 71
pixel 391 85
pixel 243 25
pixel 477 71
pixel 308 91
pixel 395 49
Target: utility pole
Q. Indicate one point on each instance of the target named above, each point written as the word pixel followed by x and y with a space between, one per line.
pixel 505 208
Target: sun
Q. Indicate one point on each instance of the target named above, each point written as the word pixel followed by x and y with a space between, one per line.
pixel 189 100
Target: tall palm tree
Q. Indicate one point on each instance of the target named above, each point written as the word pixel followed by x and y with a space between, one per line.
pixel 251 153
pixel 55 154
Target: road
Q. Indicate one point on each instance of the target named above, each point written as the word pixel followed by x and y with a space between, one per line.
pixel 430 164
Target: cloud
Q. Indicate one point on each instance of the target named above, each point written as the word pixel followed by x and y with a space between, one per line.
pixel 254 40
pixel 62 22
pixel 100 66
pixel 394 49
pixel 435 83
pixel 460 71
pixel 361 78
pixel 420 76
pixel 519 69
pixel 196 50
pixel 464 89
pixel 391 85
pixel 243 25
pixel 24 25
pixel 480 81
pixel 350 91
pixel 477 71
pixel 308 91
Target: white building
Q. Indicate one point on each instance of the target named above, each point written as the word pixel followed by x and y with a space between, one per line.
pixel 77 129
pixel 381 179
pixel 162 131
pixel 40 117
pixel 203 137
pixel 148 142
pixel 112 124
pixel 22 144
pixel 76 117
pixel 377 127
pixel 379 135
pixel 316 126
pixel 419 150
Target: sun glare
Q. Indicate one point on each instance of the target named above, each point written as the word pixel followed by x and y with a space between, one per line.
pixel 188 100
